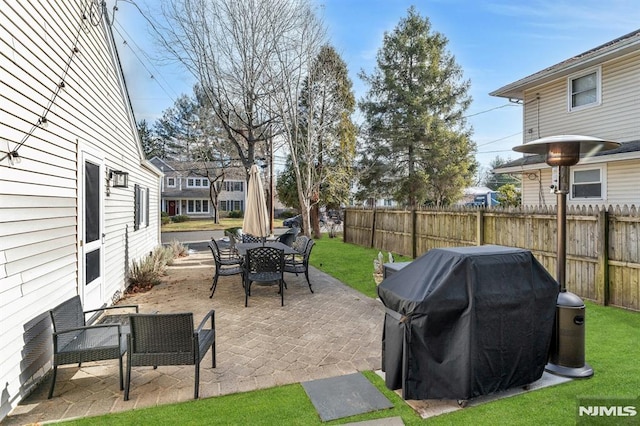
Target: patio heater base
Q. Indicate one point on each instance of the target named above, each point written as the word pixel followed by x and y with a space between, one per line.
pixel 583 372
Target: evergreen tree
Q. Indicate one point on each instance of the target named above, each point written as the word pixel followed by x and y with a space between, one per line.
pixel 418 144
pixel 327 135
pixel 148 140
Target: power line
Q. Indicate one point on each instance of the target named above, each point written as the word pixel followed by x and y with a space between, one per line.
pixel 491 109
pixel 501 139
pixel 151 75
pixel 492 152
pixel 146 56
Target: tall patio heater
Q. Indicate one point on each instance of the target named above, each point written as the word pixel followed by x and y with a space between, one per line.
pixel 566 357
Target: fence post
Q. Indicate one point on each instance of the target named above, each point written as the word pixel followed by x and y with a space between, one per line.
pixel 480 227
pixel 344 226
pixel 373 228
pixel 414 236
pixel 602 278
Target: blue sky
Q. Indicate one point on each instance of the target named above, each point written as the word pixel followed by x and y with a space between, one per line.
pixel 496 42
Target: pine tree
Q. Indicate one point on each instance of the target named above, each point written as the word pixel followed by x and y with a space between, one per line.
pixel 418 144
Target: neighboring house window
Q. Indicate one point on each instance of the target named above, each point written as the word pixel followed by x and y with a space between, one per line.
pixel 141 207
pixel 198 206
pixel 584 90
pixel 231 205
pixel 234 186
pixel 587 183
pixel 171 182
pixel 388 202
pixel 238 205
pixel 197 183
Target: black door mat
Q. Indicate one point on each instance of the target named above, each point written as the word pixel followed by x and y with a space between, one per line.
pixel 344 396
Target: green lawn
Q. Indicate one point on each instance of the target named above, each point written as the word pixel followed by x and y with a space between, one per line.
pixel 612 342
pixel 208 225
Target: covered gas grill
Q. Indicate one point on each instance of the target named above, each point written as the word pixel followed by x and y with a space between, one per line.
pixel 468 321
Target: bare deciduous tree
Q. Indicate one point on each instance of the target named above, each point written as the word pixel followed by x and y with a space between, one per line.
pixel 251 59
pixel 228 46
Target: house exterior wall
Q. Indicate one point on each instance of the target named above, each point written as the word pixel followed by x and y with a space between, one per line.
pixel 40 241
pixel 616 118
pixel 621 184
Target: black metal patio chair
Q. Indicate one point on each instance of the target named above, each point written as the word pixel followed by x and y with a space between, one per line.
pixel 298 264
pixel 264 265
pixel 169 339
pixel 76 341
pixel 248 238
pixel 289 237
pixel 224 267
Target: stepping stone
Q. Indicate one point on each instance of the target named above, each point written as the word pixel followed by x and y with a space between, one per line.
pixel 345 396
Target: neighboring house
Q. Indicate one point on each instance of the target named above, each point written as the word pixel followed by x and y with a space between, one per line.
pixel 67 139
pixel 186 191
pixel 596 93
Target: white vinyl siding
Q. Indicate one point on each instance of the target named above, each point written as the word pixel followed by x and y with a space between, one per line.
pixel 622 182
pixel 616 118
pixel 38 219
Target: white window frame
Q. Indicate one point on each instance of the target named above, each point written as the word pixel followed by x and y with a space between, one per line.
pixel 571 78
pixel 194 182
pixel 192 203
pixel 603 182
pixel 169 184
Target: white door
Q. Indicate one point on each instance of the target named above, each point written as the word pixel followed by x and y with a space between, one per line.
pixel 91 221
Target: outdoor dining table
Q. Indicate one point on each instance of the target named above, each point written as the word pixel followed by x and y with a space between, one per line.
pixel 242 248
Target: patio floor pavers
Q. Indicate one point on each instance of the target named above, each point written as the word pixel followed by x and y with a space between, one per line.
pixel 331 332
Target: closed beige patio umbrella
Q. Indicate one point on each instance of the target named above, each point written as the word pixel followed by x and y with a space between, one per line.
pixel 256 216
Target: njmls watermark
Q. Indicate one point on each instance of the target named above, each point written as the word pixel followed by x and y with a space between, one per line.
pixel 608 411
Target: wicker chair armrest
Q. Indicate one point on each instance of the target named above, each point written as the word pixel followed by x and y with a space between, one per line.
pixel 210 314
pixel 112 307
pixel 87 327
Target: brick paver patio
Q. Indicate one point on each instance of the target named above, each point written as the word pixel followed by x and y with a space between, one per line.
pixel 332 332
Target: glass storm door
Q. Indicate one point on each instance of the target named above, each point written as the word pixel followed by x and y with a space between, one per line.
pixel 91 236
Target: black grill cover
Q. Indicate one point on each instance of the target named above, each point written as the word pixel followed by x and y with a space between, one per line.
pixel 468 321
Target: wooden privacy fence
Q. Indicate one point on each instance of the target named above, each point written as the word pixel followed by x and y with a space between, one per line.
pixel 603 247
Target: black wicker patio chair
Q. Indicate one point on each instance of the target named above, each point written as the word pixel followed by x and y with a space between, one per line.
pixel 169 339
pixel 264 265
pixel 76 341
pixel 297 264
pixel 224 266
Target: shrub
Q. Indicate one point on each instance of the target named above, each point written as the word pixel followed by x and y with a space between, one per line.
pixel 165 219
pixel 286 214
pixel 233 230
pixel 146 272
pixel 179 218
pixel 178 249
pixel 162 257
pixel 235 214
pixel 143 275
